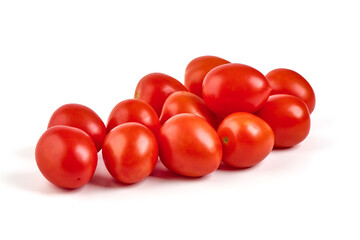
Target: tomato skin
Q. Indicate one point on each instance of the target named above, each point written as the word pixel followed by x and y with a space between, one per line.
pixel 246 139
pixel 130 152
pixel 66 156
pixel 289 118
pixel 196 71
pixel 189 146
pixel 286 81
pixel 154 88
pixel 186 102
pixel 235 87
pixel 134 110
pixel 82 117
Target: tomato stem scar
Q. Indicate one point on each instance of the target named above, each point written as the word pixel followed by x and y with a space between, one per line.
pixel 225 139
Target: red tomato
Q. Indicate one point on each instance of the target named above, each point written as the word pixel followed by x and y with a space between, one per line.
pixel 154 88
pixel 134 110
pixel 196 71
pixel 185 102
pixel 235 87
pixel 66 156
pixel 287 81
pixel 82 117
pixel 246 139
pixel 130 152
pixel 289 118
pixel 189 146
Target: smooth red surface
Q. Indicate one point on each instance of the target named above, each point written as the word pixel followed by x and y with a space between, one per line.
pixel 246 139
pixel 186 102
pixel 134 110
pixel 286 81
pixel 66 156
pixel 82 117
pixel 197 69
pixel 154 88
pixel 289 118
pixel 130 152
pixel 235 87
pixel 189 146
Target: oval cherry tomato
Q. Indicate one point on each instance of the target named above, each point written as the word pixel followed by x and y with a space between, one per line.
pixel 196 71
pixel 289 118
pixel 82 117
pixel 130 152
pixel 134 110
pixel 235 87
pixel 154 88
pixel 189 146
pixel 186 102
pixel 286 81
pixel 246 139
pixel 66 156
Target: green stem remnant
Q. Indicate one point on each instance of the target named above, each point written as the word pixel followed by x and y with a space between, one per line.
pixel 225 140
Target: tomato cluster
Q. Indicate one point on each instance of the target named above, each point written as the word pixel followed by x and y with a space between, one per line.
pixel 225 112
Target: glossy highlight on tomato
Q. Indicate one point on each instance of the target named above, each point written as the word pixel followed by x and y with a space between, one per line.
pixel 235 87
pixel 289 118
pixel 197 69
pixel 189 146
pixel 66 156
pixel 130 152
pixel 286 81
pixel 82 117
pixel 246 139
pixel 154 88
pixel 134 110
pixel 186 102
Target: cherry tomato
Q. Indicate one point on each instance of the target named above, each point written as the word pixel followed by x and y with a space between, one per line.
pixel 134 110
pixel 289 118
pixel 130 152
pixel 286 81
pixel 235 87
pixel 82 117
pixel 154 88
pixel 186 102
pixel 189 146
pixel 197 69
pixel 246 139
pixel 66 156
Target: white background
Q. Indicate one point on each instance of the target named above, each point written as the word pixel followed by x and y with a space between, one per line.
pixel 94 52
